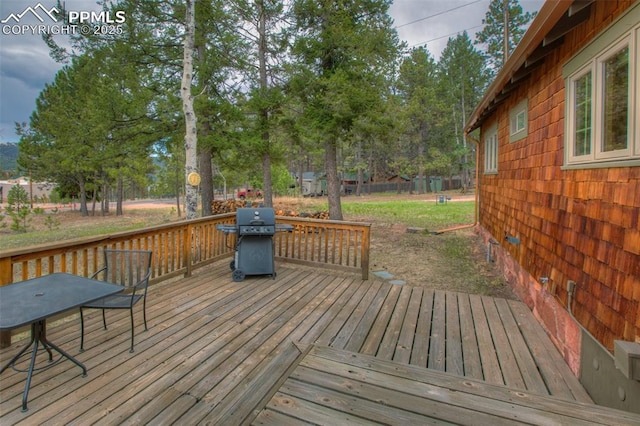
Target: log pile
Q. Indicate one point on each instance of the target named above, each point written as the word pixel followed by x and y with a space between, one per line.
pixel 324 215
pixel 230 206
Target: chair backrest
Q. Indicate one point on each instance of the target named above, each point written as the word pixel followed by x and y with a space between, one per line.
pixel 128 268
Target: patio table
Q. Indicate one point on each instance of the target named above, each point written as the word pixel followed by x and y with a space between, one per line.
pixel 35 300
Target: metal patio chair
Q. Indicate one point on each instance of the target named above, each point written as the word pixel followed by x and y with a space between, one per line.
pixel 130 269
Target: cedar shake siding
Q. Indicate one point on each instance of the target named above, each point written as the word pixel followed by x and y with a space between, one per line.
pixel 566 221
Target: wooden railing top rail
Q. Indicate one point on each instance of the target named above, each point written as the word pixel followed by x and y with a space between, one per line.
pixel 96 239
pixel 180 247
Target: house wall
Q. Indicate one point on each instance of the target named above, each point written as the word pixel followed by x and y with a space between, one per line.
pixel 581 225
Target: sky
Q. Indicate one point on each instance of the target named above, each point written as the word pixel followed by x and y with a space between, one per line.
pixel 25 64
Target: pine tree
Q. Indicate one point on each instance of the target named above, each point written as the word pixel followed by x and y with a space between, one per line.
pixel 493 33
pixel 463 78
pixel 417 88
pixel 343 52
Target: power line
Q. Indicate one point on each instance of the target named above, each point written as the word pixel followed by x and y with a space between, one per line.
pixel 448 35
pixel 438 14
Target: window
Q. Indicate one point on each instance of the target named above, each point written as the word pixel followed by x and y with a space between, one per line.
pixel 615 101
pixel 603 96
pixel 491 150
pixel 518 118
pixel 582 116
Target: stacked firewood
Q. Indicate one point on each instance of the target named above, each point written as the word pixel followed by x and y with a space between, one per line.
pixel 229 206
pixel 290 213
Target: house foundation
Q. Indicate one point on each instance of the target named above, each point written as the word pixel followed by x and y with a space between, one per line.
pixel 540 297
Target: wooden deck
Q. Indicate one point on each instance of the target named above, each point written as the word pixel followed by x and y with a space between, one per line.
pixel 220 352
pixel 332 386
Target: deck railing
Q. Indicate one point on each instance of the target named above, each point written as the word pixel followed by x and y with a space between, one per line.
pixel 180 247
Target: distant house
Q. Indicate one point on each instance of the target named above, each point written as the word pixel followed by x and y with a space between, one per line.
pixel 351 178
pixel 559 180
pixel 38 191
pixel 314 184
pixel 399 178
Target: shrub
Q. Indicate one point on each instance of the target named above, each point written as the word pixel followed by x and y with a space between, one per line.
pixel 18 208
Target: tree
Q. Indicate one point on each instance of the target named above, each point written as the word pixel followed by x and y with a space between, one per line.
pixel 463 78
pixel 90 129
pixel 504 26
pixel 417 84
pixel 18 208
pixel 343 52
pixel 190 119
pixel 264 32
pixel 65 130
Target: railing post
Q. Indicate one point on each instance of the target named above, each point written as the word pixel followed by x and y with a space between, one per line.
pixel 6 277
pixel 364 255
pixel 6 270
pixel 188 244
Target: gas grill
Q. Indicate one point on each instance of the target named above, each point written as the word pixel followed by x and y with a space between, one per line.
pixel 254 254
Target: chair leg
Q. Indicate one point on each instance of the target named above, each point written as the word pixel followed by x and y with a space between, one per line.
pixel 104 319
pixel 81 331
pixel 132 331
pixel 144 313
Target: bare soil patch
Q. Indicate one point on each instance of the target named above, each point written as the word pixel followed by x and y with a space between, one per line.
pixel 453 261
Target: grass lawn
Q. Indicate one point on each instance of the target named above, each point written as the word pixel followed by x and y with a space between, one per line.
pixel 419 213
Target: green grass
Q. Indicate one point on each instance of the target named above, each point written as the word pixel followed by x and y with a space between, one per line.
pixel 420 214
pixel 413 213
pixel 70 225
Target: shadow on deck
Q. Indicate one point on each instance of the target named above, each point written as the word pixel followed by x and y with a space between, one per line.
pixel 305 347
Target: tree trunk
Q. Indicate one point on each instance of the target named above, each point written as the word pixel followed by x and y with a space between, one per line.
pixel 83 197
pixel 119 196
pixel 206 184
pixel 106 196
pixel 267 191
pixel 360 174
pixel 190 119
pixel 333 181
pixel 421 154
pixel 300 171
pixel 94 199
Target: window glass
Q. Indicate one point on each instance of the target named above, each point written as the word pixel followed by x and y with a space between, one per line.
pixel 491 151
pixel 582 120
pixel 615 106
pixel 520 121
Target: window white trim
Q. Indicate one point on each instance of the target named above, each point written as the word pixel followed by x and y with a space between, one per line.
pixel 580 116
pixel 635 110
pixel 519 121
pixel 586 118
pixel 491 150
pixel 600 153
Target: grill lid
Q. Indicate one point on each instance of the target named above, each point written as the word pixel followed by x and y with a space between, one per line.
pixel 256 221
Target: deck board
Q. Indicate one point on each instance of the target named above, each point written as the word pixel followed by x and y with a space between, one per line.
pixel 346 384
pixel 218 351
pixel 471 354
